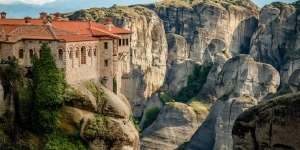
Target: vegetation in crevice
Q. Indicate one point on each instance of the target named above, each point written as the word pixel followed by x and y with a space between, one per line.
pixel 195 83
pixel 98 93
pixel 58 141
pixel 150 116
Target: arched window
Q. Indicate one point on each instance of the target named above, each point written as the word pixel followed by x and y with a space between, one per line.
pixel 90 53
pixel 71 54
pixel 31 53
pixel 127 42
pixel 83 55
pixel 124 41
pixel 95 52
pixel 21 53
pixel 120 42
pixel 77 53
pixel 105 45
pixel 60 54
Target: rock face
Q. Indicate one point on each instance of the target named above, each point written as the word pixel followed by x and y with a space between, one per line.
pixel 174 126
pixel 144 69
pixel 232 108
pixel 276 41
pixel 241 76
pixel 102 118
pixel 271 125
pixel 211 29
pixel 179 67
pixel 241 83
pixel 294 81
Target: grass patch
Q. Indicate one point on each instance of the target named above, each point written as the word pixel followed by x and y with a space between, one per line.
pixel 57 141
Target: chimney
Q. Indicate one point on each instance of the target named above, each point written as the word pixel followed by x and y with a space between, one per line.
pixel 27 20
pixel 3 15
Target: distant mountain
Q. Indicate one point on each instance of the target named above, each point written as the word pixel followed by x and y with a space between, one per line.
pixel 20 10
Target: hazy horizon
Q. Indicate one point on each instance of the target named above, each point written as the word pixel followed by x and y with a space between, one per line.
pixel 16 8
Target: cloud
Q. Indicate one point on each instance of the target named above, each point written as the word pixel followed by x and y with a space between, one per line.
pixel 35 2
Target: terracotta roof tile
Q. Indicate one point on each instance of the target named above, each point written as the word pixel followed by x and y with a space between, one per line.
pixel 16 29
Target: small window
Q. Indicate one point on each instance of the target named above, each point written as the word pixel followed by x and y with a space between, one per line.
pixel 21 53
pixel 83 55
pixel 120 42
pixel 60 54
pixel 106 63
pixel 127 42
pixel 95 52
pixel 105 45
pixel 71 54
pixel 77 54
pixel 31 53
pixel 90 53
pixel 124 41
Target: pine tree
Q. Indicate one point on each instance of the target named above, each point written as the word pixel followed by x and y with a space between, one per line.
pixel 48 89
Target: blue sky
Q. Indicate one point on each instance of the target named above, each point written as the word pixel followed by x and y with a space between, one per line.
pixel 22 8
pixel 109 2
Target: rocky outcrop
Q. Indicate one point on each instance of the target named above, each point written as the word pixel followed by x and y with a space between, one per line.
pixel 143 70
pixel 230 110
pixel 212 29
pixel 271 125
pixel 241 76
pixel 241 84
pixel 276 40
pixel 174 126
pixel 179 66
pixel 101 117
pixel 294 81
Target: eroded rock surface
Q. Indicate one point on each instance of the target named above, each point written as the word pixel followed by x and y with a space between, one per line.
pixel 101 117
pixel 230 110
pixel 242 75
pixel 179 66
pixel 271 125
pixel 212 29
pixel 276 41
pixel 174 126
pixel 239 85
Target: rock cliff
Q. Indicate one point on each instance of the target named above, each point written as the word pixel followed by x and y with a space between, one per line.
pixel 212 28
pixel 179 66
pixel 276 40
pixel 174 126
pixel 102 118
pixel 241 84
pixel 271 125
pixel 144 69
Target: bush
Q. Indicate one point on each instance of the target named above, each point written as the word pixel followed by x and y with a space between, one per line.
pixel 195 83
pixel 48 91
pixel 151 116
pixel 58 141
pixel 165 98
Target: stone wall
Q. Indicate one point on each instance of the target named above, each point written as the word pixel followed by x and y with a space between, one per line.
pixel 81 61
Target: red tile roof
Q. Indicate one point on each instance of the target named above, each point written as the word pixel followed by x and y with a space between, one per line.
pixel 13 30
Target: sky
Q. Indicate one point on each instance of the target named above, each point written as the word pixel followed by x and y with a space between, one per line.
pixel 41 2
pixel 22 8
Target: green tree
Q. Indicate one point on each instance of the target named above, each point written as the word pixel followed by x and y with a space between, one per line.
pixel 48 90
pixel 195 83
